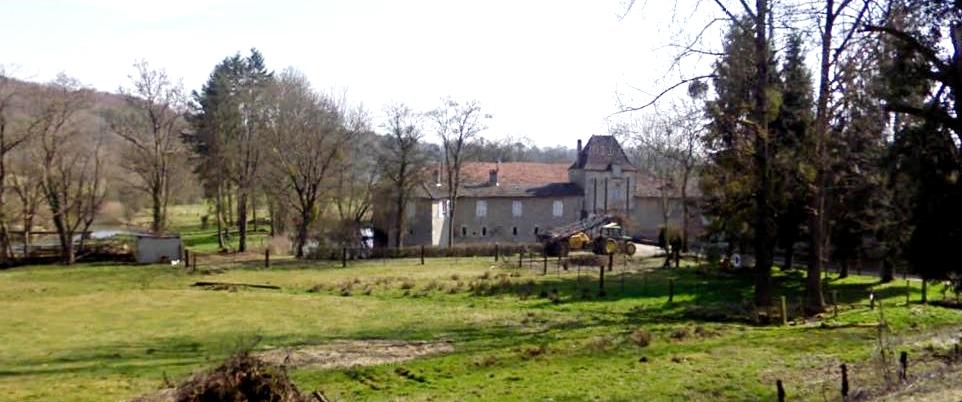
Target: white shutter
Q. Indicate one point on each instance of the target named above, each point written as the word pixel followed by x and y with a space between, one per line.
pixel 558 208
pixel 481 209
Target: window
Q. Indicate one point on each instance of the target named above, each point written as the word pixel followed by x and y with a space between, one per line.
pixel 464 231
pixel 558 209
pixel 516 209
pixel 484 231
pixel 411 231
pixel 514 231
pixel 481 208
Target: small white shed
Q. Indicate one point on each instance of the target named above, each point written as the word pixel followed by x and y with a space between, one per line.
pixel 153 249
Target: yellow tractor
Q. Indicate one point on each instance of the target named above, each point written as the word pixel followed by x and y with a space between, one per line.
pixel 610 238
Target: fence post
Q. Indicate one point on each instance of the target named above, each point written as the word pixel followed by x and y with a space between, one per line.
pixel 908 292
pixel 871 301
pixel 781 390
pixel 267 258
pixel 611 261
pixel 844 382
pixel 186 257
pixel 903 366
pixel 601 281
pixel 422 254
pixel 784 312
pixel 521 259
pixel 195 259
pixel 497 250
pixel 544 255
pixel 343 257
pixel 671 289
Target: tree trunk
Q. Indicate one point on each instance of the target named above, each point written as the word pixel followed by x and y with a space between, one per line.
pixel 789 256
pixel 158 217
pixel 302 229
pixel 888 270
pixel 399 219
pixel 684 211
pixel 763 213
pixel 219 211
pixel 814 300
pixel 843 270
pixel 242 221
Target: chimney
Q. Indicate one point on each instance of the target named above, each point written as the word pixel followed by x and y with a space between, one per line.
pixel 493 175
pixel 578 155
pixel 437 177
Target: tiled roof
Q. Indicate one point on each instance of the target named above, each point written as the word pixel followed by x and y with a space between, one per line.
pixel 600 153
pixel 515 172
pixel 515 179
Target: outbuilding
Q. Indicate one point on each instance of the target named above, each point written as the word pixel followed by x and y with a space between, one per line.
pixel 152 249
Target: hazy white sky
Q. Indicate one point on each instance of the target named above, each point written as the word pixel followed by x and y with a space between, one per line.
pixel 547 70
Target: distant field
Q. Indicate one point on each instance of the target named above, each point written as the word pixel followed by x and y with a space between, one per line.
pixel 112 332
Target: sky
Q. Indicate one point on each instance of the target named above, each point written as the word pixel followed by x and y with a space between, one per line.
pixel 551 71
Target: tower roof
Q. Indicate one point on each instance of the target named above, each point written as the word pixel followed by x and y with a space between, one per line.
pixel 601 152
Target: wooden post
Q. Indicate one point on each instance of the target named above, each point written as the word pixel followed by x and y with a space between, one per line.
pixel 908 292
pixel 422 254
pixel 195 259
pixel 496 252
pixel 844 382
pixel 267 258
pixel 671 289
pixel 611 261
pixel 871 301
pixel 601 281
pixel 904 366
pixel 925 291
pixel 186 257
pixel 544 255
pixel 520 259
pixel 344 257
pixel 781 390
pixel 784 312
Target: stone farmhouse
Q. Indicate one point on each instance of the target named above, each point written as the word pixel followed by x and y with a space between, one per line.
pixel 513 202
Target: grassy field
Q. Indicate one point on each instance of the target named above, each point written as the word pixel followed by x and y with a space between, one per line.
pixel 107 332
pixel 102 332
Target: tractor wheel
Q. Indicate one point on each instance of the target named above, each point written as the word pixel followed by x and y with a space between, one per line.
pixel 630 248
pixel 611 246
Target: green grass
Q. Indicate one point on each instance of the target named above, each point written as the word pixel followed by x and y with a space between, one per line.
pixel 111 332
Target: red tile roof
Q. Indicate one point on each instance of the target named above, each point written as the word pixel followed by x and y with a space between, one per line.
pixel 519 173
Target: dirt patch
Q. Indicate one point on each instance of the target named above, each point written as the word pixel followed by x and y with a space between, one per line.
pixel 341 354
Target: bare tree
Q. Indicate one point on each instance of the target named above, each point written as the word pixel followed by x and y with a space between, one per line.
pixel 151 129
pixel 403 162
pixel 9 141
pixel 457 125
pixel 304 142
pixel 27 184
pixel 669 143
pixel 359 172
pixel 72 176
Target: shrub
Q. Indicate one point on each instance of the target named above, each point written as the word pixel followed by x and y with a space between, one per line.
pixel 407 284
pixel 679 333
